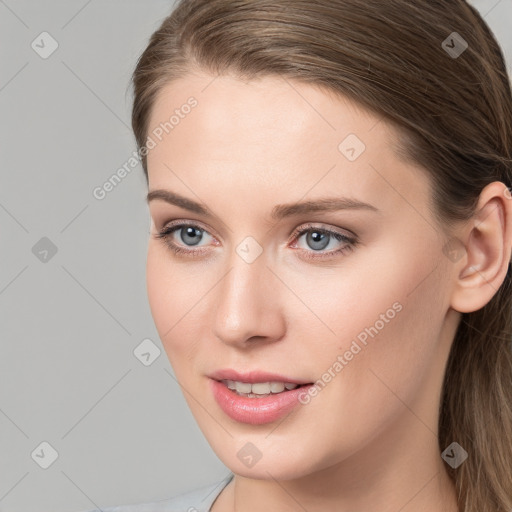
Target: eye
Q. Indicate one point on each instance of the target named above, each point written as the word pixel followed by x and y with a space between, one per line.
pixel 190 235
pixel 318 238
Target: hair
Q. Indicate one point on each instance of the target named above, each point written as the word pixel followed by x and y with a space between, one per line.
pixel 454 116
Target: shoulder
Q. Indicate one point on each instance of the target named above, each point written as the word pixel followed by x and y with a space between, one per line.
pixel 197 500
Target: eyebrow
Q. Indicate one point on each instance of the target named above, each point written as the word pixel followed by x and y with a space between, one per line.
pixel 279 211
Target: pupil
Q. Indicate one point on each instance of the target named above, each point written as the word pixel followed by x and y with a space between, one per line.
pixel 194 234
pixel 317 237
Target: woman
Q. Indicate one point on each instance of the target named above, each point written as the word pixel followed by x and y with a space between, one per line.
pixel 329 260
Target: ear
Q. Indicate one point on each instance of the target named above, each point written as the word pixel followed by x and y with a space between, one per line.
pixel 487 241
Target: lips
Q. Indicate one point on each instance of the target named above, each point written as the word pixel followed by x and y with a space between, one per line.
pixel 256 406
pixel 254 376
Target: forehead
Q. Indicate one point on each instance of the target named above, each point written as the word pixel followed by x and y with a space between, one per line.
pixel 276 134
pixel 284 109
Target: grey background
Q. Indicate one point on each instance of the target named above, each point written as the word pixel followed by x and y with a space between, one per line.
pixel 70 323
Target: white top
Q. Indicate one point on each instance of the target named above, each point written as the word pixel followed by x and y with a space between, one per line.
pixel 198 500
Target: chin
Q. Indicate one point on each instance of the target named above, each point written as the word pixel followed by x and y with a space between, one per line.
pixel 273 468
pixel 257 456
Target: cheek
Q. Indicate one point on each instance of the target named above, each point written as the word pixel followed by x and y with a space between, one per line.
pixel 172 294
pixel 344 303
pixel 384 290
pixel 387 315
pixel 181 299
pixel 383 307
pixel 386 378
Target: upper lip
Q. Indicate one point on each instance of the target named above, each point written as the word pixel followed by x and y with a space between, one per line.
pixel 253 376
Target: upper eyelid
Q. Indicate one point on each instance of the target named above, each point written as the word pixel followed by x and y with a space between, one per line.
pixel 308 226
pixel 298 231
pixel 178 224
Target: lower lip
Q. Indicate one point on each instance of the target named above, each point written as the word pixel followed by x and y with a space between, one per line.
pixel 256 411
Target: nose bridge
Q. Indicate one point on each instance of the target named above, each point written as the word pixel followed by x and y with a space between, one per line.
pixel 242 291
pixel 247 304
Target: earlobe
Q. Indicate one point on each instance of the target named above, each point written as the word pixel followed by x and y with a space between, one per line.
pixel 487 239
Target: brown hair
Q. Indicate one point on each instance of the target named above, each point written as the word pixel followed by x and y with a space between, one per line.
pixel 454 114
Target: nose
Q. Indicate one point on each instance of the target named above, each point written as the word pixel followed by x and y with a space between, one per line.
pixel 248 306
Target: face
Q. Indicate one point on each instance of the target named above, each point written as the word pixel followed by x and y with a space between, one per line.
pixel 310 258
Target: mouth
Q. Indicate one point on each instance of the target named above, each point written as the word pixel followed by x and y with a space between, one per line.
pixel 259 389
pixel 256 397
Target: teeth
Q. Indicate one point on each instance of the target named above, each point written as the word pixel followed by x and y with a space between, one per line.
pixel 277 387
pixel 259 388
pixel 243 387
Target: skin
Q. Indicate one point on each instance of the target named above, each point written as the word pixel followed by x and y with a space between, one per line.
pixel 369 438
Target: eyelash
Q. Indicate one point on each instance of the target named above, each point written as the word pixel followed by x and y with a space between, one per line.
pixel 166 236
